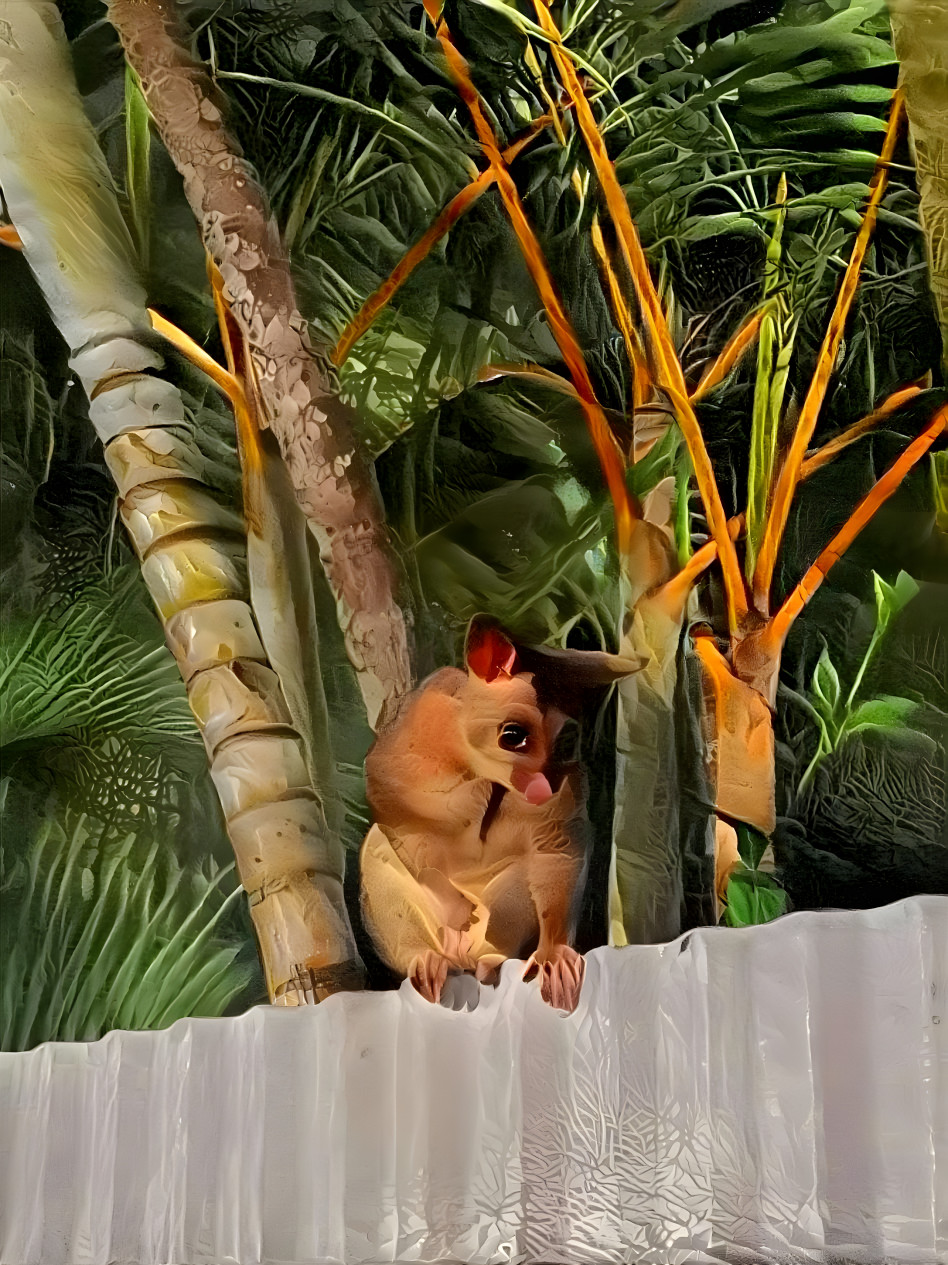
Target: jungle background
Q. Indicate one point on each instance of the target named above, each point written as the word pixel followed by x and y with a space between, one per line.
pixel 121 907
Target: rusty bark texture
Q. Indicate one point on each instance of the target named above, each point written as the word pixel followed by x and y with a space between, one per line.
pixel 920 36
pixel 192 548
pixel 334 485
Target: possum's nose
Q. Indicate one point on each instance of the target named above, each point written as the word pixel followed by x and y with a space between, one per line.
pixel 533 786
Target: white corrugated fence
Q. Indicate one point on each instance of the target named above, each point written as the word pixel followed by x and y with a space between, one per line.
pixel 773 1094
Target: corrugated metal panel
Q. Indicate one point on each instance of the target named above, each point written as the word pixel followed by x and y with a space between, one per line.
pixel 774 1094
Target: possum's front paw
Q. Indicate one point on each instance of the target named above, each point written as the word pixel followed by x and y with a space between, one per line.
pixel 561 971
pixel 428 973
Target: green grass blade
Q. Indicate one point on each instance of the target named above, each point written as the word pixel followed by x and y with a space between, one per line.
pixel 773 356
pixel 138 163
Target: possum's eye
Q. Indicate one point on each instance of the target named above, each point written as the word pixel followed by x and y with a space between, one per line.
pixel 513 737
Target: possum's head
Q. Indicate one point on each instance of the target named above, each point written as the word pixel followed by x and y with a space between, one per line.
pixel 517 700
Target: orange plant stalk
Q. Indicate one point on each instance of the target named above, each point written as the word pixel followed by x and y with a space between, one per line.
pixel 739 343
pixel 867 507
pixel 789 476
pixel 667 364
pixel 380 298
pixel 641 383
pixel 833 447
pixel 667 367
pixel 602 438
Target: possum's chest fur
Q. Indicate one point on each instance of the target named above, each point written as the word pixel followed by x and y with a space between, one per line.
pixel 437 813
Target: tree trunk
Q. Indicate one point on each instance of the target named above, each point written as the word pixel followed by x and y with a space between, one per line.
pixel 646 883
pixel 659 841
pixel 192 549
pixel 333 484
pixel 920 36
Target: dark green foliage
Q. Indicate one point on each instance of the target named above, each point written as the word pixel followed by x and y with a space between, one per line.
pixel 105 929
pixel 118 902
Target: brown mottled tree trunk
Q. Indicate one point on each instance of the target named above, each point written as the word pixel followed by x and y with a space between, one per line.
pixel 333 484
pixel 920 36
pixel 192 548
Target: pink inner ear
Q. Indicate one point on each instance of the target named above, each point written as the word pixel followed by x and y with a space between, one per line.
pixel 489 653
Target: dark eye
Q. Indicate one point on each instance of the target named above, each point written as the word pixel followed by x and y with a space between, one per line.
pixel 513 737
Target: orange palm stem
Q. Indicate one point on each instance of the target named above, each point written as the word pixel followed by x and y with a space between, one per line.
pixel 562 330
pixel 229 383
pixel 789 476
pixel 835 446
pixel 867 507
pixel 641 382
pixel 247 411
pixel 667 368
pixel 197 355
pixel 379 298
pixel 732 352
pixel 667 363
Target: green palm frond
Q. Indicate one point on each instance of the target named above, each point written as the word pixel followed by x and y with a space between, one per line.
pixel 104 929
pixel 74 670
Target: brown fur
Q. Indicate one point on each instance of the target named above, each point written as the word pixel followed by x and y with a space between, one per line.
pixel 460 870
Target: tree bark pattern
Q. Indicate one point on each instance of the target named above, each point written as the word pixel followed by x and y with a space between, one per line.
pixel 334 485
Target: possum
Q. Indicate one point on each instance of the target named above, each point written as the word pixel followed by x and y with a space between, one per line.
pixel 479 846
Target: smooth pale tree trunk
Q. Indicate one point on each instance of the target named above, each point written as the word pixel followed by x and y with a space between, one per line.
pixel 192 549
pixel 333 483
pixel 920 36
pixel 658 851
pixel 646 881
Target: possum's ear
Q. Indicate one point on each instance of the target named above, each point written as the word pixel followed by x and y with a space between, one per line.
pixel 592 667
pixel 572 679
pixel 488 652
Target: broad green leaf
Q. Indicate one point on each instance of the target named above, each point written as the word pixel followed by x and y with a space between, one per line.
pixel 886 712
pixel 829 99
pixel 753 898
pixel 751 844
pixel 892 598
pixel 699 228
pixel 522 23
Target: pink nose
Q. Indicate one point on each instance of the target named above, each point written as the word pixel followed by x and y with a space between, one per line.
pixel 535 789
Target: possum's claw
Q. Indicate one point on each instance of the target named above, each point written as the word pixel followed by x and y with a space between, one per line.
pixel 428 973
pixel 561 970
